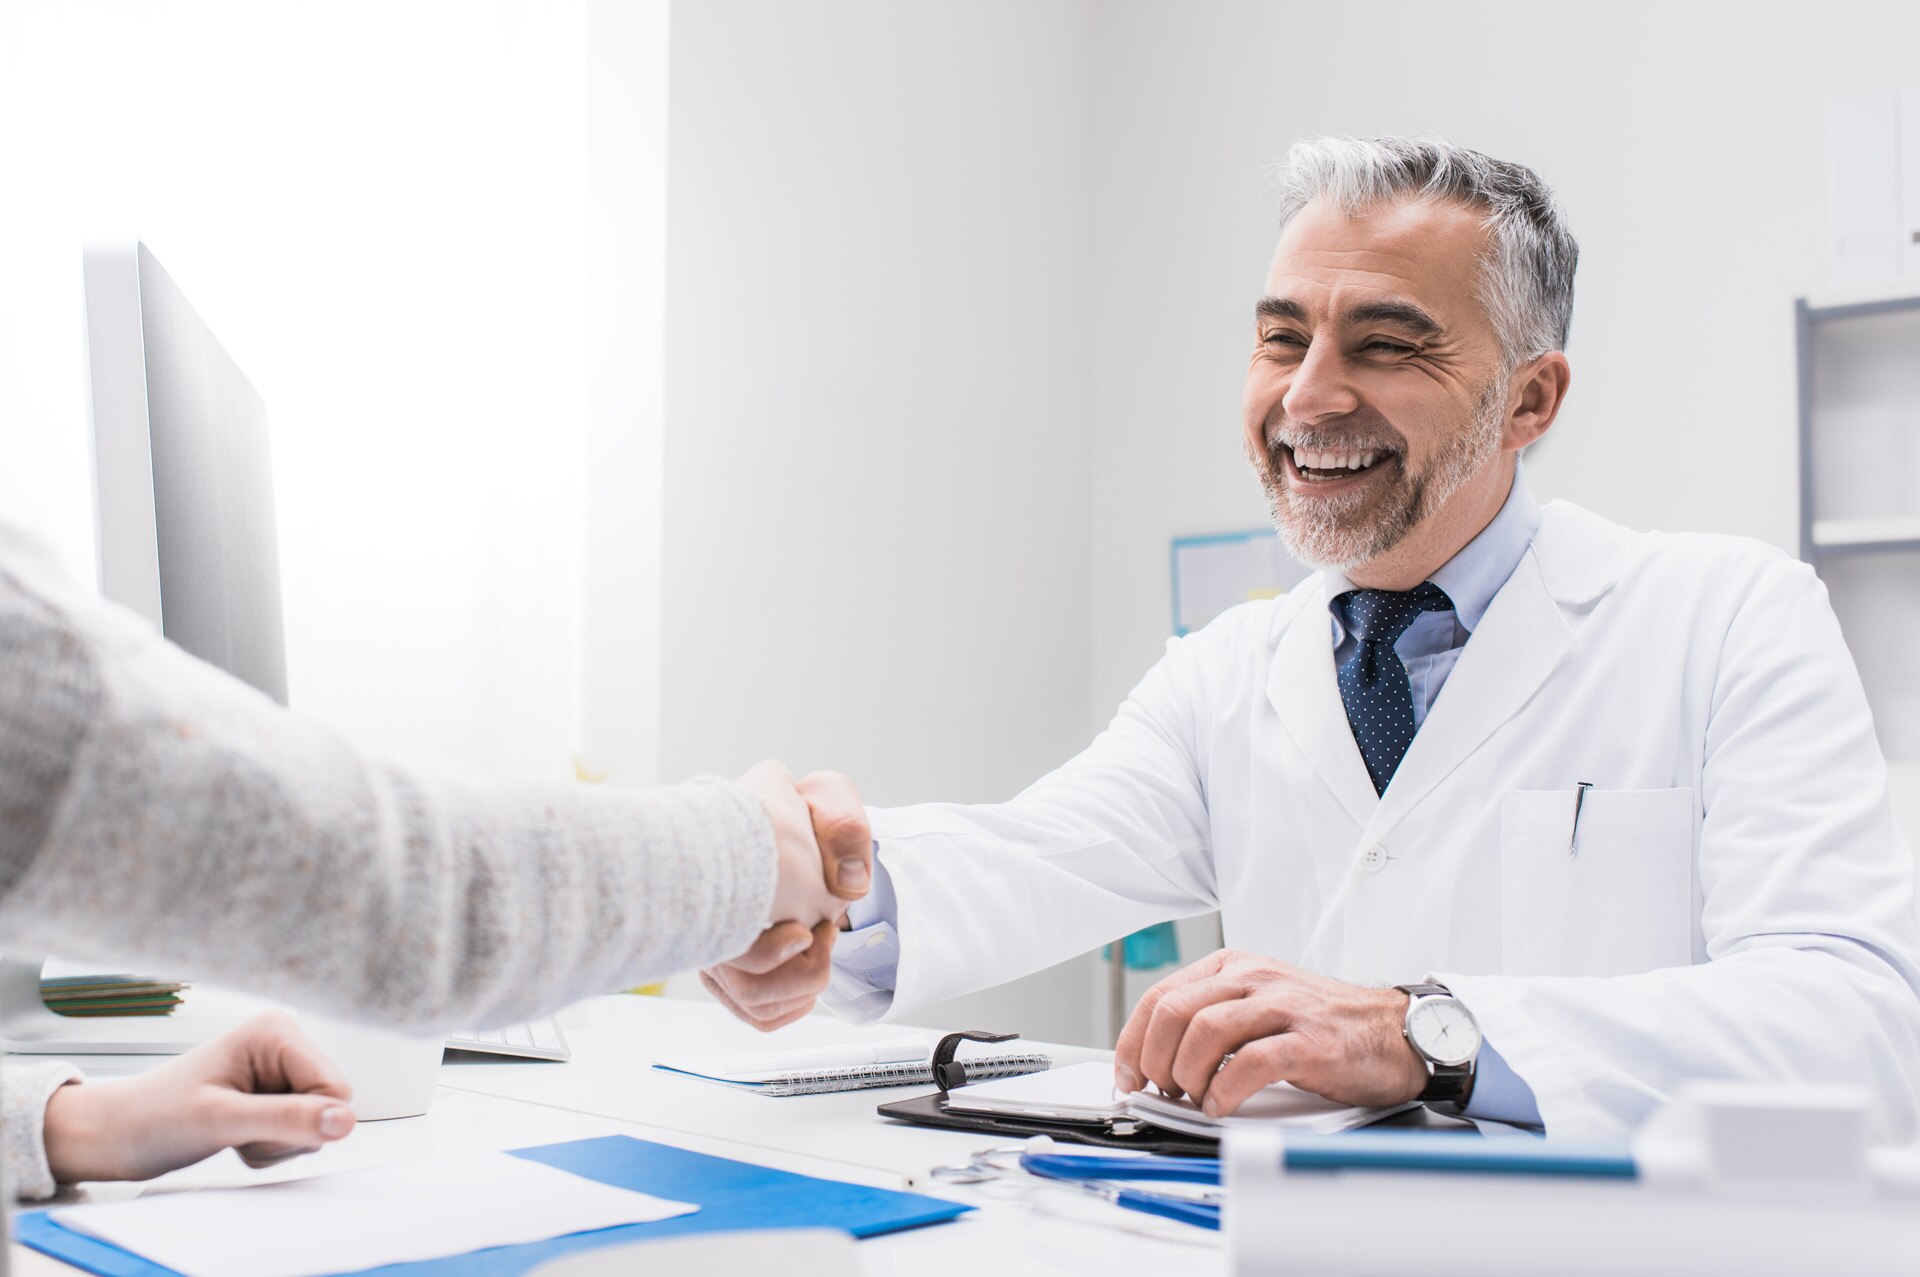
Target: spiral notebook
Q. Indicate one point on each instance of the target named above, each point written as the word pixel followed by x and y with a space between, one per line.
pixel 816 1070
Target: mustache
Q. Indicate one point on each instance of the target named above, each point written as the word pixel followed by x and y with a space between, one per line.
pixel 1357 434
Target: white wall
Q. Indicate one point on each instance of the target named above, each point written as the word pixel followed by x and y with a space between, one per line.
pixel 910 347
pixel 377 207
pixel 958 302
pixel 877 450
pixel 1687 141
pixel 624 527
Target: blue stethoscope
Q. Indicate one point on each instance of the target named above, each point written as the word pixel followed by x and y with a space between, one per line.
pixel 1107 1178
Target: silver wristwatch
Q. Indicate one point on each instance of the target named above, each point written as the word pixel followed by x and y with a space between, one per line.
pixel 1446 1036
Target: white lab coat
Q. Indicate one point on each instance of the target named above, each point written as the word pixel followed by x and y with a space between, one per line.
pixel 1741 904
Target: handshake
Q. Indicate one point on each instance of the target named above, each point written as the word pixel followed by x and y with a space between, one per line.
pixel 825 855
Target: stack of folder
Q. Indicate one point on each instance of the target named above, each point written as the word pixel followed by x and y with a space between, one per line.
pixel 117 994
pixel 227 1231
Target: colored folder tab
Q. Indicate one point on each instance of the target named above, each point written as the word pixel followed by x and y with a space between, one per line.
pixel 733 1197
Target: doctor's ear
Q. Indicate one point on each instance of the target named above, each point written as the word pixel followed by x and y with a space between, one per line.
pixel 1538 388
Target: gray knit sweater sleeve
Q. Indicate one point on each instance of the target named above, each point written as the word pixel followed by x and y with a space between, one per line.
pixel 24 1093
pixel 155 813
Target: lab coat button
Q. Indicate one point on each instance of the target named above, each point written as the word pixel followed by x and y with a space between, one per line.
pixel 1375 859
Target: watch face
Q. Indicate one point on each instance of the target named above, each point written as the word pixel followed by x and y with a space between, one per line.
pixel 1443 1030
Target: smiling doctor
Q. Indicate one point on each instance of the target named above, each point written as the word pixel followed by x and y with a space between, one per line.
pixel 1508 809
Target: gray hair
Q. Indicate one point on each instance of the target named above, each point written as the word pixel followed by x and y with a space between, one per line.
pixel 1527 276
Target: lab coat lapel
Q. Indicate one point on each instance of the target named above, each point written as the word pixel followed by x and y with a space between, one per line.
pixel 1302 690
pixel 1524 635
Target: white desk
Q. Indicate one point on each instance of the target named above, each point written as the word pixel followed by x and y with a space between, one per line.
pixel 615 1039
pixel 609 1088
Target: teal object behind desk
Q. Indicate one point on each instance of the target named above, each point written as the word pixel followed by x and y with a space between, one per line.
pixel 733 1197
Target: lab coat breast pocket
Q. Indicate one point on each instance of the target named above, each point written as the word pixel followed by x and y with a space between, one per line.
pixel 1620 903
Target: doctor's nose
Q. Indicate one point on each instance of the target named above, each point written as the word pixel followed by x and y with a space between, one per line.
pixel 1319 388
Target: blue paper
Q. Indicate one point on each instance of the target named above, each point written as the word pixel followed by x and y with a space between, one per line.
pixel 733 1197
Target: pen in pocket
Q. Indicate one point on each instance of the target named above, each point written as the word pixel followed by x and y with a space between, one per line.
pixel 1579 800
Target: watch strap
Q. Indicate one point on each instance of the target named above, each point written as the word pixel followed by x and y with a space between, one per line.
pixel 1449 1086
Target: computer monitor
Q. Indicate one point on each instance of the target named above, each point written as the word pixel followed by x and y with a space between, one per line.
pixel 183 481
pixel 183 500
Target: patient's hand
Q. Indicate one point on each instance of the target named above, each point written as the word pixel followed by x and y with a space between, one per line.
pixel 777 980
pixel 821 868
pixel 262 1089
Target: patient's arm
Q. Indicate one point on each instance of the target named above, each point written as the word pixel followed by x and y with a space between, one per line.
pixel 155 811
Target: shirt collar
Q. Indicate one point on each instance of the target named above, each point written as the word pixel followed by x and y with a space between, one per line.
pixel 1473 576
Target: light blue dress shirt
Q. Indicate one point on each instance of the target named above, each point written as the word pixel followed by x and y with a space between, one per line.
pixel 866 959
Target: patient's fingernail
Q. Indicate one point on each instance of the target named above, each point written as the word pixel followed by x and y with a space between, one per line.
pixel 335 1122
pixel 854 875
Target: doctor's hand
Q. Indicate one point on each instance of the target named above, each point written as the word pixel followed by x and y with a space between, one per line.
pixel 820 865
pixel 1220 1029
pixel 779 979
pixel 262 1089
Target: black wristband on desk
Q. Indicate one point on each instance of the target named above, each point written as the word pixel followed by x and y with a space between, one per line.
pixel 949 1072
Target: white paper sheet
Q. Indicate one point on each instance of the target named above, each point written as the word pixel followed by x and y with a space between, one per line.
pixel 1276 1105
pixel 1085 1091
pixel 361 1219
pixel 1077 1091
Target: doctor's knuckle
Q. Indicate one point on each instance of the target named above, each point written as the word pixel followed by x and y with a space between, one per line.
pixel 1161 988
pixel 1213 1023
pixel 807 981
pixel 768 991
pixel 1158 1010
pixel 840 825
pixel 1265 1060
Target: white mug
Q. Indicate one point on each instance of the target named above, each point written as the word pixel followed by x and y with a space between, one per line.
pixel 392 1074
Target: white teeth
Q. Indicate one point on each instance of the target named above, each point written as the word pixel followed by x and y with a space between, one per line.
pixel 1308 460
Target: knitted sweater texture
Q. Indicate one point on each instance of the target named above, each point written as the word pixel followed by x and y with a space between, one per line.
pixel 157 814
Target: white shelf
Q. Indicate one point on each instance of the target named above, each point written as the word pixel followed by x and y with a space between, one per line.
pixel 1830 534
pixel 1866 295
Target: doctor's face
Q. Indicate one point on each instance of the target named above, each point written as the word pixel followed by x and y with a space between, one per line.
pixel 1377 390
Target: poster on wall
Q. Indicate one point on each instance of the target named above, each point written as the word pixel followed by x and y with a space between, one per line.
pixel 1216 572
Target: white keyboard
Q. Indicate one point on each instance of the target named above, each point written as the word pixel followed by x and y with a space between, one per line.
pixel 540 1040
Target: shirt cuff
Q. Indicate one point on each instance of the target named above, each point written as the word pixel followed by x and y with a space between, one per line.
pixel 1500 1094
pixel 866 958
pixel 24 1092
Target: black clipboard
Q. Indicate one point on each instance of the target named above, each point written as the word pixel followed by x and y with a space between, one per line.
pixel 931 1110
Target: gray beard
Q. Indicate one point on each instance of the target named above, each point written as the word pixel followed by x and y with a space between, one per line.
pixel 1332 532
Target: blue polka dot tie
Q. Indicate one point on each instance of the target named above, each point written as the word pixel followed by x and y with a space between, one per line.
pixel 1373 681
